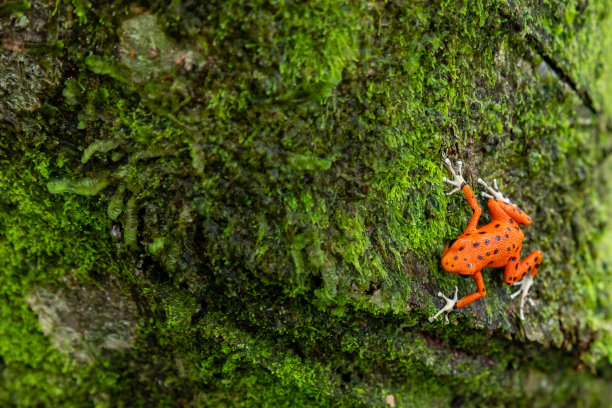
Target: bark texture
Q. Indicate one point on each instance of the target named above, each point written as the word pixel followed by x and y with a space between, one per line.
pixel 240 203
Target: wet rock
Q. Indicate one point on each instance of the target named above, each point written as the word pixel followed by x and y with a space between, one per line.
pixel 83 320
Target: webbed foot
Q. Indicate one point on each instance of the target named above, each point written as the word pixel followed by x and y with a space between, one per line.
pixel 495 192
pixel 458 180
pixel 450 305
pixel 525 285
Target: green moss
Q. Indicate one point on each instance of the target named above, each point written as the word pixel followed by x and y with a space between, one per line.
pixel 81 187
pixel 264 181
pixel 100 65
pixel 14 8
pixel 81 8
pixel 103 146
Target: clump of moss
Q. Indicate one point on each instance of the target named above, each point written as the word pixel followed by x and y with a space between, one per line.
pixel 263 179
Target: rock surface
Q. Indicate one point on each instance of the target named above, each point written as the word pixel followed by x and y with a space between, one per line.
pixel 241 203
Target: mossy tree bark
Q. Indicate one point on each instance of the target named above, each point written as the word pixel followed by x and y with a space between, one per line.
pixel 241 203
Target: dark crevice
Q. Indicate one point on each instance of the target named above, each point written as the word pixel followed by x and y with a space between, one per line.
pixel 517 25
pixel 458 401
pixel 374 286
pixel 199 315
pixel 583 94
pixel 154 271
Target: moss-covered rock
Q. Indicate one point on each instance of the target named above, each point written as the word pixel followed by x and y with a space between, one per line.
pixel 255 189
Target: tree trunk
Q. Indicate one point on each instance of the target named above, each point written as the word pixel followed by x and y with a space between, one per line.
pixel 241 203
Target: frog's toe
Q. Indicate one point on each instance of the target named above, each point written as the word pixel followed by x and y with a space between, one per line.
pixel 525 285
pixel 495 191
pixel 457 180
pixel 450 305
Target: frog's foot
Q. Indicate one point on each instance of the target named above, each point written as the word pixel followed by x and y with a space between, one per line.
pixel 458 180
pixel 450 305
pixel 495 192
pixel 525 285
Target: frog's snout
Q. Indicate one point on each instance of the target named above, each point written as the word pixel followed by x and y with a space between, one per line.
pixel 450 244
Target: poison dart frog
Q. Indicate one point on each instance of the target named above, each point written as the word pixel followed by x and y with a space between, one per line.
pixel 495 245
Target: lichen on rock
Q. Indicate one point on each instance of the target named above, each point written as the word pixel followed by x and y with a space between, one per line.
pixel 83 320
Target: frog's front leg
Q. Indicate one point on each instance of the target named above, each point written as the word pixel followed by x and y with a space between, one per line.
pixel 480 292
pixel 460 183
pixel 450 305
pixel 458 180
pixel 464 301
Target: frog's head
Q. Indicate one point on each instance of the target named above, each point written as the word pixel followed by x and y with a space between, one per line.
pixel 448 257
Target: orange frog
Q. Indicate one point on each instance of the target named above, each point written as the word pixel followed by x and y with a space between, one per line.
pixel 494 245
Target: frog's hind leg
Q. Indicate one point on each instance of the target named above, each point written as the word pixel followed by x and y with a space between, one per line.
pixel 515 270
pixel 501 208
pixel 522 274
pixel 495 191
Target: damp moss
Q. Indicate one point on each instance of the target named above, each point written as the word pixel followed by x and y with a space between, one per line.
pixel 84 186
pixel 264 181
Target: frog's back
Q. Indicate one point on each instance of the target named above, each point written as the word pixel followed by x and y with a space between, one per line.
pixel 501 241
pixel 490 246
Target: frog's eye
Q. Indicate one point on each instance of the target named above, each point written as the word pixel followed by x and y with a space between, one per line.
pixel 450 244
